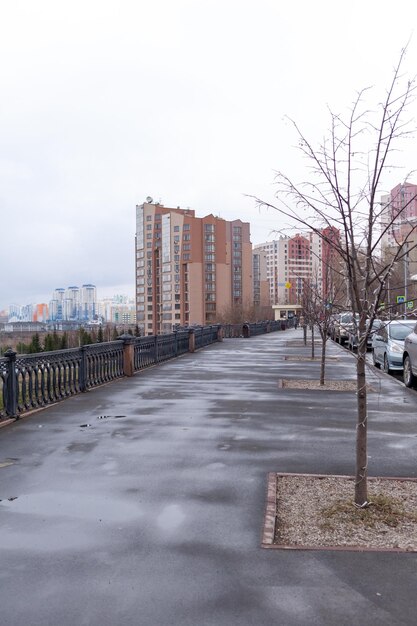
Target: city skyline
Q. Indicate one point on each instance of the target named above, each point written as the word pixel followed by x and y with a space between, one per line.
pixel 145 105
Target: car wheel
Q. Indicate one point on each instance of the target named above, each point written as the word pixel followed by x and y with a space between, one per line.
pixel 374 361
pixel 386 365
pixel 408 376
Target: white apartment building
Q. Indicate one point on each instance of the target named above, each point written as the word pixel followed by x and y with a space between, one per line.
pixel 290 262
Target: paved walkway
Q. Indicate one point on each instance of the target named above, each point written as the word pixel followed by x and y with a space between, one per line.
pixel 142 502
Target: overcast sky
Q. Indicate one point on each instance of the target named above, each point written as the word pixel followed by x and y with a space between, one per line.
pixel 107 102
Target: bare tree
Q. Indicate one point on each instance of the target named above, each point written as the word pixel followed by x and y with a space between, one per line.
pixel 344 188
pixel 320 300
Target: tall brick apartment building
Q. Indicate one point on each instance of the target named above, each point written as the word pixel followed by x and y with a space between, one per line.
pixel 189 269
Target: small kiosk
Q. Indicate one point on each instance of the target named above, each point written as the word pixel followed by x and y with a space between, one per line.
pixel 286 311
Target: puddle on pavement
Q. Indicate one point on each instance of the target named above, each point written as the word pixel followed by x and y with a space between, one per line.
pixel 81 447
pixel 170 518
pixel 7 462
pixel 85 506
pixel 103 417
pixel 109 417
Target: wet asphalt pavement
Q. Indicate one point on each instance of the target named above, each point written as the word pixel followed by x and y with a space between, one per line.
pixel 141 502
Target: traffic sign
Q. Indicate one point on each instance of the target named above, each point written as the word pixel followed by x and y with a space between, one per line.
pixel 410 304
pixel 288 285
pixel 400 299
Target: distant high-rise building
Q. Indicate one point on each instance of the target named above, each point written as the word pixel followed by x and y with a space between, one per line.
pixel 189 269
pixel 88 302
pixel 293 261
pixel 56 305
pixel 261 295
pixel 74 304
pixel 399 214
pixel 40 313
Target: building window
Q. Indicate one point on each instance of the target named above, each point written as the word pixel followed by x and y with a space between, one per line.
pixel 186 237
pixel 176 229
pixel 149 218
pixel 186 257
pixel 186 227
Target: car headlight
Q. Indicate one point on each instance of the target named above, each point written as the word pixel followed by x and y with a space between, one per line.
pixel 395 348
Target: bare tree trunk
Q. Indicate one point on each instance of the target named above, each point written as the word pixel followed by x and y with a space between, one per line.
pixel 312 341
pixel 305 334
pixel 323 361
pixel 361 477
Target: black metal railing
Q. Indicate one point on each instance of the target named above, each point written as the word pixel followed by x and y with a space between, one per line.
pixel 157 348
pixel 204 335
pixel 33 381
pixel 256 328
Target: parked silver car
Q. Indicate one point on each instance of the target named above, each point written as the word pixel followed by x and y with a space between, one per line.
pixel 388 344
pixel 352 342
pixel 341 324
pixel 410 358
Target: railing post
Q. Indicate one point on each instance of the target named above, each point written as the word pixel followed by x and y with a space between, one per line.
pixel 10 397
pixel 128 354
pixel 220 333
pixel 156 349
pixel 83 369
pixel 175 343
pixel 191 340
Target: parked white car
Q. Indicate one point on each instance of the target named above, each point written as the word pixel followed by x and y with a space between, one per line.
pixel 388 344
pixel 410 359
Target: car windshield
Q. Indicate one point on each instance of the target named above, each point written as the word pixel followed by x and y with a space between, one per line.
pixel 346 318
pixel 400 331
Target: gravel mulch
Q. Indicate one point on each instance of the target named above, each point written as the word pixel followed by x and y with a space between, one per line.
pixel 329 385
pixel 309 358
pixel 318 512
